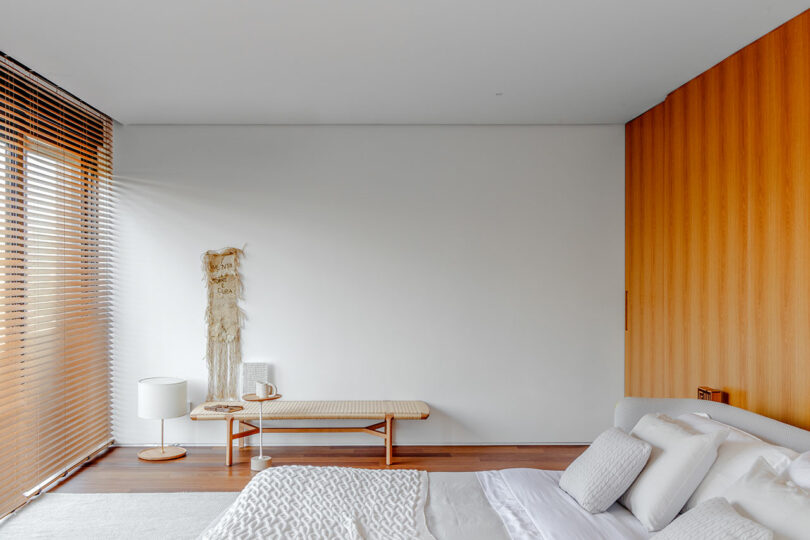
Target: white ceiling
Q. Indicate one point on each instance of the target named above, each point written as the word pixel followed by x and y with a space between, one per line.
pixel 379 61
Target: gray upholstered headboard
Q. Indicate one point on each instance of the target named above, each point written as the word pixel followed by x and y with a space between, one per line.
pixel 630 409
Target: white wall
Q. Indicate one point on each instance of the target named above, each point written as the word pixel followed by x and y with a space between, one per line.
pixel 480 269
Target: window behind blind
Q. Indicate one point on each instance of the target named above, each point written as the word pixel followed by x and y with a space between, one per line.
pixel 55 265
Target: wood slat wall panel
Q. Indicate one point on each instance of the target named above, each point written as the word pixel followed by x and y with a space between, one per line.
pixel 733 311
pixel 645 288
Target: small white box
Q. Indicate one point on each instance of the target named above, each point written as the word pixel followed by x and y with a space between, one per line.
pixel 253 372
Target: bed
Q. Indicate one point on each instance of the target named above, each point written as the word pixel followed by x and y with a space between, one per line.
pixel 516 504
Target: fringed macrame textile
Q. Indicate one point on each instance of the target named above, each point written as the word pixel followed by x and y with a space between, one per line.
pixel 224 318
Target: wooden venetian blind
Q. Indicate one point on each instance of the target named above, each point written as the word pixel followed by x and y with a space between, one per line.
pixel 55 197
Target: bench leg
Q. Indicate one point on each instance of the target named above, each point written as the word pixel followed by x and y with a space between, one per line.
pixel 228 442
pixel 241 442
pixel 389 438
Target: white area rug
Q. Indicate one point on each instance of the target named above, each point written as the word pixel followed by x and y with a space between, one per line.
pixel 92 516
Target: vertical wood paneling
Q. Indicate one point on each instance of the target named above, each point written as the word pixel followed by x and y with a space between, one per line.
pixel 797 142
pixel 718 232
pixel 732 348
pixel 645 196
pixel 675 275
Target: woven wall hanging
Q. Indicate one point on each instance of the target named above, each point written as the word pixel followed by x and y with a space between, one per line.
pixel 224 319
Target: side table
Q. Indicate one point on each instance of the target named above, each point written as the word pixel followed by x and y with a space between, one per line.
pixel 260 462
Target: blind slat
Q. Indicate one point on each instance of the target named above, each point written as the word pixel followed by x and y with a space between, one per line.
pixel 72 402
pixel 79 110
pixel 72 359
pixel 15 344
pixel 92 434
pixel 72 430
pixel 46 182
pixel 56 255
pixel 47 127
pixel 69 411
pixel 37 361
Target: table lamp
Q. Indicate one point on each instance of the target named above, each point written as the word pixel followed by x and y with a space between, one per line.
pixel 162 397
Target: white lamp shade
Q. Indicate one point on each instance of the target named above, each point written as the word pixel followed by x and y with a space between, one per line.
pixel 162 397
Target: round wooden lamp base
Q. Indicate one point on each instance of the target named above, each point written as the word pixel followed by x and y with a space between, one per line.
pixel 164 454
pixel 260 463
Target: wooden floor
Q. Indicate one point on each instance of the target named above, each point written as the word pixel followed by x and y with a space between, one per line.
pixel 120 470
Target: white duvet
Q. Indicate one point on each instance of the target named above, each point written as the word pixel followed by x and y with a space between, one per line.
pixel 344 503
pixel 532 506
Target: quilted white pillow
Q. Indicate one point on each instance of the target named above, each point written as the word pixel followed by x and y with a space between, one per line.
pixel 678 462
pixel 714 519
pixel 771 500
pixel 799 471
pixel 605 470
pixel 734 459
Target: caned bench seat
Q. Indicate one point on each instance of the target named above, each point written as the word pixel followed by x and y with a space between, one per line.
pixel 385 411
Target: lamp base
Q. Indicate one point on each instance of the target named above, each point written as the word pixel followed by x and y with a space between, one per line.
pixel 162 454
pixel 260 463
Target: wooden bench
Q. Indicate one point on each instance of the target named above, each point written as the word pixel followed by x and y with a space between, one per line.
pixel 384 411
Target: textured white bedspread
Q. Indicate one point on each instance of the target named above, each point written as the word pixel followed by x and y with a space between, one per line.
pixel 328 503
pixel 532 506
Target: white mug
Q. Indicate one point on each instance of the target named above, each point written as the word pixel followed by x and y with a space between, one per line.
pixel 265 389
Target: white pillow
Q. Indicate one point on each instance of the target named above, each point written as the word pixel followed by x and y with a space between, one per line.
pixel 704 424
pixel 734 459
pixel 714 519
pixel 799 471
pixel 774 502
pixel 678 462
pixel 605 470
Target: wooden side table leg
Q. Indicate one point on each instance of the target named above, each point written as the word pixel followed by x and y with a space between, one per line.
pixel 228 442
pixel 389 438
